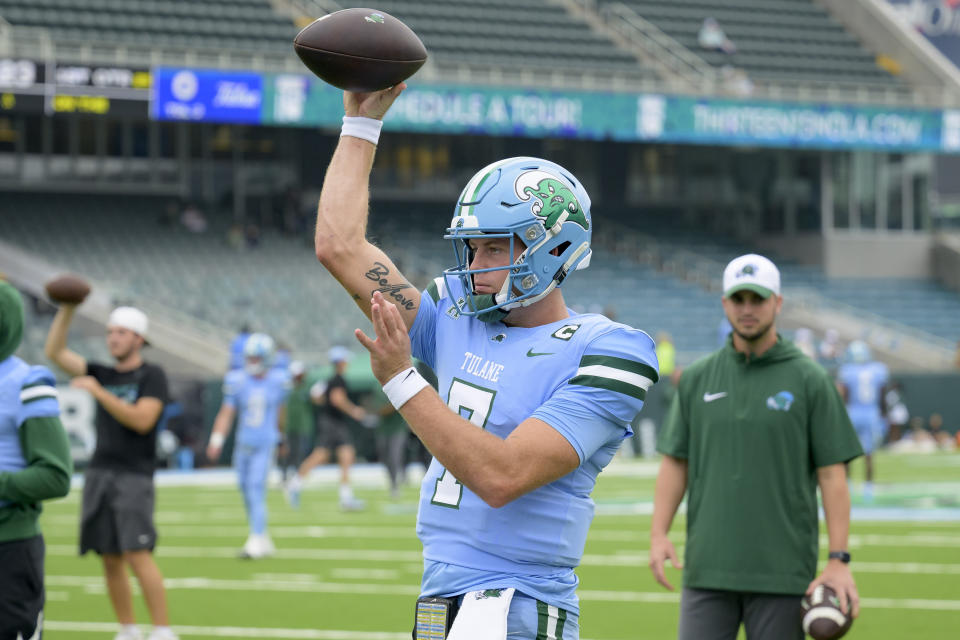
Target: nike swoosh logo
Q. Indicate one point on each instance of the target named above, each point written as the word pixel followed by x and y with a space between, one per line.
pixel 531 354
pixel 710 397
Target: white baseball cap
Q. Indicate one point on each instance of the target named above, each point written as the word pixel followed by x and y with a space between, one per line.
pixel 751 272
pixel 129 318
pixel 297 368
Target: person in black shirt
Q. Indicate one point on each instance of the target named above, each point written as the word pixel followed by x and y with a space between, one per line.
pixel 333 434
pixel 118 493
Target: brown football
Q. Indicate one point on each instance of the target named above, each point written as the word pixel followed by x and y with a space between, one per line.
pixel 360 49
pixel 68 288
pixel 822 617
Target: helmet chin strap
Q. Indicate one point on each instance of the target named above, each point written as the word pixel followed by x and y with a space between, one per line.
pixel 502 295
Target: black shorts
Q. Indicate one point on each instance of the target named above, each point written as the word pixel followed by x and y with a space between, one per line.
pixel 117 512
pixel 332 433
pixel 21 587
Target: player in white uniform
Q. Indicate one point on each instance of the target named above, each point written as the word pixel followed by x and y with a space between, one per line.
pixel 534 399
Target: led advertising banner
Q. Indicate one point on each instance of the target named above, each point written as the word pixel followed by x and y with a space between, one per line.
pixel 682 119
pixel 205 95
pixel 304 101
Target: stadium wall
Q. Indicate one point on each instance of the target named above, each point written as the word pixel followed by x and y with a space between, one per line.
pixel 843 254
pixel 930 393
pixel 946 260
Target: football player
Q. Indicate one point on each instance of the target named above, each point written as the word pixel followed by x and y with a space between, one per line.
pixel 333 433
pixel 35 465
pixel 535 399
pixel 862 383
pixel 255 396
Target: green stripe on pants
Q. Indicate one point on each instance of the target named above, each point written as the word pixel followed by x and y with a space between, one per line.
pixel 550 621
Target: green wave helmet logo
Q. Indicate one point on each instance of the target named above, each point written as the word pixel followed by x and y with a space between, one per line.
pixel 551 198
pixel 374 17
pixel 782 401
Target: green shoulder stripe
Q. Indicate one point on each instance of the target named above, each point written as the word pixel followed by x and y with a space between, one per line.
pixel 33 393
pixel 630 366
pixel 611 385
pixel 433 289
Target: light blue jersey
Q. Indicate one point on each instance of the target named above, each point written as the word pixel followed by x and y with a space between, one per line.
pixel 257 402
pixel 586 376
pixel 25 392
pixel 864 383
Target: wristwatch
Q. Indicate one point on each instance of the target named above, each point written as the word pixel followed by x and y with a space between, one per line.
pixel 842 556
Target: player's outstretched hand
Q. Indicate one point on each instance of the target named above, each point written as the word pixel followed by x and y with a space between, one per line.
pixel 390 352
pixel 371 105
pixel 662 549
pixel 838 576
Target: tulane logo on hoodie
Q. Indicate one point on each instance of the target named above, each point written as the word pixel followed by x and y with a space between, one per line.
pixel 781 401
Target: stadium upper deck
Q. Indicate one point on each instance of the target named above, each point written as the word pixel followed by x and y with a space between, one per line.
pixel 783 45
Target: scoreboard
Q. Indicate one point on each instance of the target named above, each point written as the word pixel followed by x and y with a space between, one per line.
pixel 33 87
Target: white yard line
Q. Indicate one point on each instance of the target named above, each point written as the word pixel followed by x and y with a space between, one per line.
pixel 406 591
pixel 233 632
pixel 636 558
pixel 368 555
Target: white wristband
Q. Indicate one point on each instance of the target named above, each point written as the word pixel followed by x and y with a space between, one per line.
pixel 364 128
pixel 403 386
pixel 216 439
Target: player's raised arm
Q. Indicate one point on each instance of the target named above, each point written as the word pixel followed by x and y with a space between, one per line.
pixel 340 240
pixel 55 348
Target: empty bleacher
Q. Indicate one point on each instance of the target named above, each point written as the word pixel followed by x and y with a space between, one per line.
pixel 776 40
pixel 922 305
pixel 509 33
pixel 214 24
pixel 484 33
pixel 278 286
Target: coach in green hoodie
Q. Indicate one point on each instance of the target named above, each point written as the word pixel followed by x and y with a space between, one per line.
pixel 35 465
pixel 753 430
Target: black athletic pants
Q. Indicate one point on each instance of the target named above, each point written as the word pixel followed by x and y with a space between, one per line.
pixel 21 588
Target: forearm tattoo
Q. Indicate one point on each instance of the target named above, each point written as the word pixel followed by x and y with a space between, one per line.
pixel 378 273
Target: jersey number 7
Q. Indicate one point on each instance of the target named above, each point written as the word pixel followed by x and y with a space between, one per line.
pixel 475 404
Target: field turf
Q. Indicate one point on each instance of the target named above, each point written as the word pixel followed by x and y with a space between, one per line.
pixel 354 576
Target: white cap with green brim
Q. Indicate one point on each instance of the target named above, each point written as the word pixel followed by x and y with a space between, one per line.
pixel 751 272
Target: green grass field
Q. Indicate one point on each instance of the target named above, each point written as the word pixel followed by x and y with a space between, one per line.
pixel 354 576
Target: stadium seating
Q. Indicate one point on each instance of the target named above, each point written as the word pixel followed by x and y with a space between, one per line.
pixel 238 24
pixel 920 304
pixel 776 40
pixel 508 32
pixel 485 33
pixel 279 288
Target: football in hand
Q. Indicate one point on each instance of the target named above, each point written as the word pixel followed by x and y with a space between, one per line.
pixel 360 50
pixel 822 617
pixel 68 288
